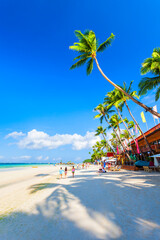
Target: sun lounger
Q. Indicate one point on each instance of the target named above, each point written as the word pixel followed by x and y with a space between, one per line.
pixel 147 169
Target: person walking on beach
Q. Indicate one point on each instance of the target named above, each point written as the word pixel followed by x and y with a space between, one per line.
pixel 65 172
pixel 61 172
pixel 109 166
pixel 73 171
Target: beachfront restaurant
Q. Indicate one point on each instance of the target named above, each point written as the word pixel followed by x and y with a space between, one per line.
pixel 153 137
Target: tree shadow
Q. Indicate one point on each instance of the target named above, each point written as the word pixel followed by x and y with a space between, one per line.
pixel 116 205
pixel 42 175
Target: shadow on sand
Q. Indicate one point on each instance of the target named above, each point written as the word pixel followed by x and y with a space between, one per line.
pixel 116 205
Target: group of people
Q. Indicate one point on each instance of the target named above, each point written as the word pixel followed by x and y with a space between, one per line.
pixel 103 165
pixel 65 171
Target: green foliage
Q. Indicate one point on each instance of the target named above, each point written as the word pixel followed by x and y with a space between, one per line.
pixel 151 65
pixel 88 47
pixel 87 161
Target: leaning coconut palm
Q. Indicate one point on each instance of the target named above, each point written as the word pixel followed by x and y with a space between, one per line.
pixel 115 121
pixel 105 144
pixel 151 65
pixel 122 99
pixel 88 48
pixel 115 142
pixel 131 124
pixel 112 99
pixel 103 113
pixel 101 130
pixel 125 135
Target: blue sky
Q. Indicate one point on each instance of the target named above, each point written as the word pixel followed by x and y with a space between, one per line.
pixel 38 91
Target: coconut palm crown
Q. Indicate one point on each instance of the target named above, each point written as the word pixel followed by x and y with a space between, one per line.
pixel 88 47
pixel 151 65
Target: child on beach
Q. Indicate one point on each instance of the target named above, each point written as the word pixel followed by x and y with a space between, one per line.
pixel 65 172
pixel 73 171
pixel 61 172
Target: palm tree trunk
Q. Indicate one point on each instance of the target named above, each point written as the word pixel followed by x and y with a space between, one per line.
pixel 115 133
pixel 149 109
pixel 126 128
pixel 139 128
pixel 107 142
pixel 125 152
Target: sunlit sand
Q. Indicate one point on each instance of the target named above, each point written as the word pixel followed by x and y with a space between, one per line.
pixel 35 204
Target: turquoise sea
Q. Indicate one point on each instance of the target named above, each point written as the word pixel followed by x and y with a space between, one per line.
pixel 16 165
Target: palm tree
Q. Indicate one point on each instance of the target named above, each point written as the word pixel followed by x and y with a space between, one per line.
pixel 125 135
pixel 103 113
pixel 112 99
pixel 97 146
pixel 101 130
pixel 88 48
pixel 106 145
pixel 115 121
pixel 114 141
pixel 151 65
pixel 122 99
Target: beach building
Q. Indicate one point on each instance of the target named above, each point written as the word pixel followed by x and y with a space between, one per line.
pixel 153 137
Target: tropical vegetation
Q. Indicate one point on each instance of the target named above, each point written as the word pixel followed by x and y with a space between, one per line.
pixel 110 112
pixel 151 65
pixel 88 47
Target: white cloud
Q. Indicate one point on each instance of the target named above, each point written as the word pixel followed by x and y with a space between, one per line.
pixel 15 135
pixel 42 158
pixel 78 159
pixel 39 158
pixel 1 157
pixel 57 159
pixel 22 157
pixel 38 139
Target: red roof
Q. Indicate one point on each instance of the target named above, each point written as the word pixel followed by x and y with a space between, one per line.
pixel 151 130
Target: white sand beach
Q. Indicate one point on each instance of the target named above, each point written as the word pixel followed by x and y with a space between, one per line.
pixel 36 205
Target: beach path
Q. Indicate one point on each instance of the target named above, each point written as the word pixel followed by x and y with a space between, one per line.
pixel 36 205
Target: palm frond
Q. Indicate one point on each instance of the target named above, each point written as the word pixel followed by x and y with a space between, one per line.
pixel 130 87
pixel 105 44
pixel 83 39
pixel 157 95
pixel 146 66
pixel 81 56
pixel 147 84
pixel 97 116
pixel 79 63
pixel 90 66
pixel 101 119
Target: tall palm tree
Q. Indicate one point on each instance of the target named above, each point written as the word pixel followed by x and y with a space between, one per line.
pixel 151 65
pixel 98 146
pixel 101 130
pixel 125 135
pixel 88 48
pixel 115 121
pixel 122 99
pixel 106 145
pixel 112 99
pixel 103 113
pixel 114 141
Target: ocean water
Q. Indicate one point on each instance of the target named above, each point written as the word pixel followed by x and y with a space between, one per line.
pixel 16 165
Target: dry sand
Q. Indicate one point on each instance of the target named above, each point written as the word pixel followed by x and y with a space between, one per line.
pixel 36 205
